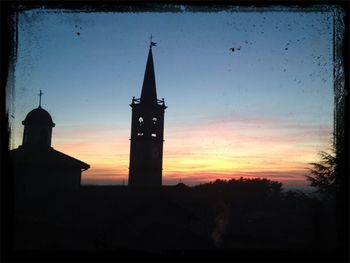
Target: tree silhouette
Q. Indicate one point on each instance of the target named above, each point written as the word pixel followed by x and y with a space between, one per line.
pixel 322 175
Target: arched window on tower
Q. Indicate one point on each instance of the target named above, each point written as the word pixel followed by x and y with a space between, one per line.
pixel 140 128
pixel 154 130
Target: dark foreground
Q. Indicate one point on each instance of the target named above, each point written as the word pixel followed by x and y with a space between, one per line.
pixel 210 221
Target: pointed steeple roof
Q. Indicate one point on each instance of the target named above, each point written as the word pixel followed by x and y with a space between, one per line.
pixel 149 93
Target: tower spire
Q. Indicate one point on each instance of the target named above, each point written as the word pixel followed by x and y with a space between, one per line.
pixel 40 94
pixel 149 93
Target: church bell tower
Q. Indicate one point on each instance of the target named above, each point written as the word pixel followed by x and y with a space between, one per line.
pixel 147 132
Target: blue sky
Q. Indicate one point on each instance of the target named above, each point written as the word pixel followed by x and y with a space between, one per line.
pixel 281 72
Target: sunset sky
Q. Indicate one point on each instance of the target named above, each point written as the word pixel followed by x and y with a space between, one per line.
pixel 264 110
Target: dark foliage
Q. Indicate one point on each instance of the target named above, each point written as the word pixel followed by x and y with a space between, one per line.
pixel 322 176
pixel 253 213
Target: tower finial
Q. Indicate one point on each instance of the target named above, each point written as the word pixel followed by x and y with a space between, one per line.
pixel 152 43
pixel 40 94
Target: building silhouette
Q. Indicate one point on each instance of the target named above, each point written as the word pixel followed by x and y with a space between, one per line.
pixel 147 132
pixel 37 167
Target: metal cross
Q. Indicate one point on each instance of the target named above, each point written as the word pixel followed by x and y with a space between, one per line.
pixel 40 94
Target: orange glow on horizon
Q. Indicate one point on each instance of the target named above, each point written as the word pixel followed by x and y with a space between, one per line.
pixel 202 152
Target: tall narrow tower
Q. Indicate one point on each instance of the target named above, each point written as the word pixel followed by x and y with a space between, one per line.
pixel 147 132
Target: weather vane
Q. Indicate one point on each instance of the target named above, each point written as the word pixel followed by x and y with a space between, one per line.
pixel 152 43
pixel 40 94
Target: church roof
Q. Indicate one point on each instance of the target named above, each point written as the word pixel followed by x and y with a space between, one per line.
pixel 38 116
pixel 45 157
pixel 149 93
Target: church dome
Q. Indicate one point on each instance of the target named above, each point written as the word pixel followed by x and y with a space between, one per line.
pixel 38 116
